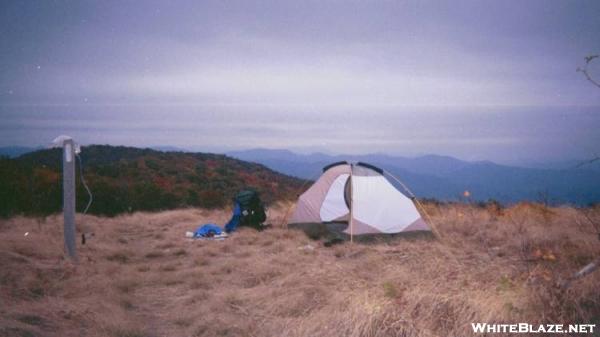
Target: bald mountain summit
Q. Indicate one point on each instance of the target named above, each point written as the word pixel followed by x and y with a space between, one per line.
pixel 126 179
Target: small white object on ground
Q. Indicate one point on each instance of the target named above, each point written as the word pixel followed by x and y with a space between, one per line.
pixel 307 247
pixel 26 233
pixel 189 234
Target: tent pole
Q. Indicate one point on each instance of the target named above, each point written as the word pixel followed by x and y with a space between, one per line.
pixel 433 226
pixel 351 206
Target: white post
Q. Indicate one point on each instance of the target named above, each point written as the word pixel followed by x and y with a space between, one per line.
pixel 69 197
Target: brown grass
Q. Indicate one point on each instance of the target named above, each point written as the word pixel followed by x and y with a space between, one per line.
pixel 139 276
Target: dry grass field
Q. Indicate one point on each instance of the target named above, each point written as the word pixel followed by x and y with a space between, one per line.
pixel 139 276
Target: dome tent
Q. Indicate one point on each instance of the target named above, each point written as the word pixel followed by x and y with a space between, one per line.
pixel 360 196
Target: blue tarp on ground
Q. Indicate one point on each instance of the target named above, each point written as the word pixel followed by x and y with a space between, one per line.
pixel 208 230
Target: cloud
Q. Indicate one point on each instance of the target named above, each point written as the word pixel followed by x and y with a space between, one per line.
pixel 401 77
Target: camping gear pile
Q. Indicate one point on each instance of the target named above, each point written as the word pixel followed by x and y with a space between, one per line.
pixel 248 210
pixel 208 231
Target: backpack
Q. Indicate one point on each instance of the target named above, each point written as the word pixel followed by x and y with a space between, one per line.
pixel 252 209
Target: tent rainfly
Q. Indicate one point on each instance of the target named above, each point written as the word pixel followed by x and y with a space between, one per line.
pixel 360 195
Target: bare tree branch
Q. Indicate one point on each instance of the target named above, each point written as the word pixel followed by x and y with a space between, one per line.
pixel 588 269
pixel 584 70
pixel 587 162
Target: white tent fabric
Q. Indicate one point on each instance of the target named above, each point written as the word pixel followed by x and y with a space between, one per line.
pixel 334 205
pixel 376 205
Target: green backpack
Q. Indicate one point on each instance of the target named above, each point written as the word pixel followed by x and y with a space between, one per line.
pixel 252 208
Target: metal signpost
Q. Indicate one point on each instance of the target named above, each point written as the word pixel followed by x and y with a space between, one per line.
pixel 68 146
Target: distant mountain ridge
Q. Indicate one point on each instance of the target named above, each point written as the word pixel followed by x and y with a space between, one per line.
pixel 15 151
pixel 446 178
pixel 430 176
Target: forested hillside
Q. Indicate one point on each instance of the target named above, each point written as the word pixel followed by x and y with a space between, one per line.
pixel 127 179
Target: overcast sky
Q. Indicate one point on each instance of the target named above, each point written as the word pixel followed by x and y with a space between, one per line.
pixel 474 79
